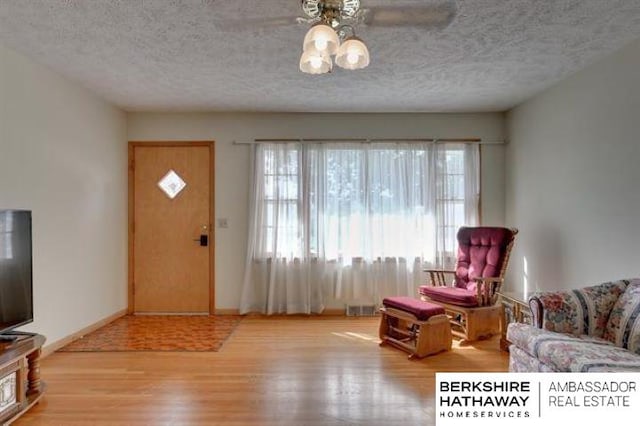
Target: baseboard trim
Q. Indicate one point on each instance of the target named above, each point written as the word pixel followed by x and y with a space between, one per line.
pixel 227 312
pixel 169 314
pixel 334 312
pixel 54 346
pixel 326 313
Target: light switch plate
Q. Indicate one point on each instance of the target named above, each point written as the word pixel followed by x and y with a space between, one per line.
pixel 222 222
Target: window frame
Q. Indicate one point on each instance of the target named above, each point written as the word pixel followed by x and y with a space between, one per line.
pixel 441 202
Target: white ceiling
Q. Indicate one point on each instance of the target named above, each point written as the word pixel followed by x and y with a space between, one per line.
pixel 168 55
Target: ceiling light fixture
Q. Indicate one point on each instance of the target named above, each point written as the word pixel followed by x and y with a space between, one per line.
pixel 323 40
pixel 352 54
pixel 314 61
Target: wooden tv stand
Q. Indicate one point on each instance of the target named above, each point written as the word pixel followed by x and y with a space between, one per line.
pixel 20 384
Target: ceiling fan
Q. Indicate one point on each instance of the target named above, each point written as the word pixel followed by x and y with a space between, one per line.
pixel 333 24
pixel 425 14
pixel 333 29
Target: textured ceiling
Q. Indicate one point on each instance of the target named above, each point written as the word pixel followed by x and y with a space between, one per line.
pixel 191 55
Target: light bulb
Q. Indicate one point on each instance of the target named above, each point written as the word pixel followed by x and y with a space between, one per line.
pixel 315 61
pixel 321 44
pixel 352 57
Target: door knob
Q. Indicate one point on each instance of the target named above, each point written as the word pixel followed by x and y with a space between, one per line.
pixel 204 237
pixel 204 240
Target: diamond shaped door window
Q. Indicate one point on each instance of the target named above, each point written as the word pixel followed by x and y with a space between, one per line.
pixel 171 184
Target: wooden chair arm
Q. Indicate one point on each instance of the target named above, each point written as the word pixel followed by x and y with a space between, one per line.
pixel 487 289
pixel 481 280
pixel 437 276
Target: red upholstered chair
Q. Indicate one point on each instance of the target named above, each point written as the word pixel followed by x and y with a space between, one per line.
pixel 470 299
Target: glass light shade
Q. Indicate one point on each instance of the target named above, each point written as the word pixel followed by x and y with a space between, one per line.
pixel 313 61
pixel 322 38
pixel 352 54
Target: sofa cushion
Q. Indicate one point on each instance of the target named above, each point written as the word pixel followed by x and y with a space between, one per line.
pixel 623 327
pixel 522 362
pixel 452 295
pixel 584 356
pixel 562 352
pixel 581 311
pixel 528 338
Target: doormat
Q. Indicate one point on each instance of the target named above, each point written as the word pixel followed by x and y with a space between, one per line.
pixel 158 333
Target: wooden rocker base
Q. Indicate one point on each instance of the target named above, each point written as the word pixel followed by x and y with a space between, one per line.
pixel 419 338
pixel 472 323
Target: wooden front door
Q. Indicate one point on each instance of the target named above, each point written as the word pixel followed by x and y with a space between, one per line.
pixel 170 205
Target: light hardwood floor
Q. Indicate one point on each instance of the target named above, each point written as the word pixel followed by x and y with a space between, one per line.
pixel 271 371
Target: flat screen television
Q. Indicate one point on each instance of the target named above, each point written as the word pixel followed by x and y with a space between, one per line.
pixel 16 285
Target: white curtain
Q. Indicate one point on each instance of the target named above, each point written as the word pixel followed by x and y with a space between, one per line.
pixel 471 185
pixel 355 222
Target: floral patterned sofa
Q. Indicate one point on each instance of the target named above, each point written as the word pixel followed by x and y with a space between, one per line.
pixel 589 329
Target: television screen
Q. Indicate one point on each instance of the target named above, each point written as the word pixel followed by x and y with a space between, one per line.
pixel 16 301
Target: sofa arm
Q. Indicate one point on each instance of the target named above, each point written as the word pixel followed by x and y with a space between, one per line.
pixel 537 311
pixel 577 312
pixel 555 311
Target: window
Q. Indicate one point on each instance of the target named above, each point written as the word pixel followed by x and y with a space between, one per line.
pixel 346 201
pixel 450 201
pixel 281 201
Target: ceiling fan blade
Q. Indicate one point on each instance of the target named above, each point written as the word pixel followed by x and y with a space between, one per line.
pixel 257 23
pixel 432 16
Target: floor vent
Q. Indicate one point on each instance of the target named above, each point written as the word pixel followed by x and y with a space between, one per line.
pixel 361 310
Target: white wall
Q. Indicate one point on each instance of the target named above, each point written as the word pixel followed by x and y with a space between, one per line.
pixel 573 178
pixel 232 161
pixel 63 155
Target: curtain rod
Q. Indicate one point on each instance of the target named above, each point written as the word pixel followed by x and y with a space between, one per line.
pixel 369 140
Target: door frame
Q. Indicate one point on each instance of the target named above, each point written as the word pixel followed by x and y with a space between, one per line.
pixel 131 208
